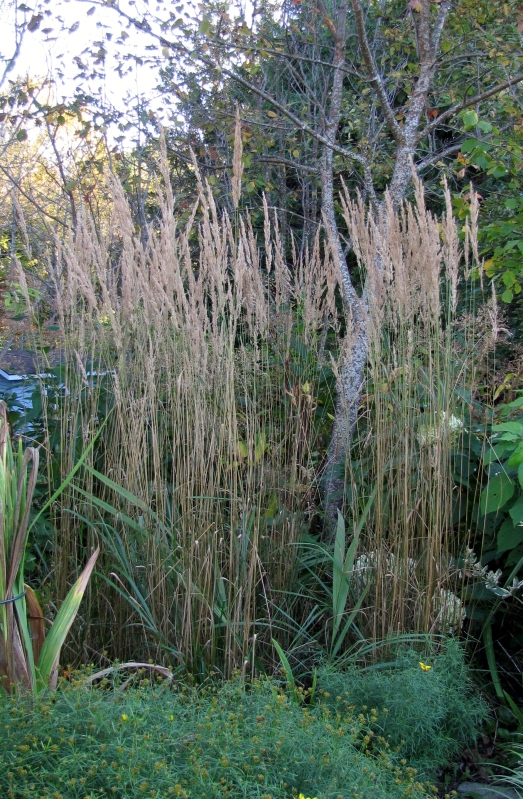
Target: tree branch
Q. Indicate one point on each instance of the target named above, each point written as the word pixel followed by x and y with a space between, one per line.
pixel 434 157
pixel 437 30
pixel 296 57
pixel 478 98
pixel 374 75
pixel 38 207
pixel 348 154
pixel 267 159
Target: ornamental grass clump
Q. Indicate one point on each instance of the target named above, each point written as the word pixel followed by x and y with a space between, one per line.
pixel 206 349
pixel 412 436
pixel 215 353
pixel 233 740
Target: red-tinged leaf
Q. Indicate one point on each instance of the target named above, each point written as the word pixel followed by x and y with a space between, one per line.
pixel 432 113
pixel 468 195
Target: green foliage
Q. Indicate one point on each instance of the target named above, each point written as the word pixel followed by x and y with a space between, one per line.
pixel 503 239
pixel 15 302
pixel 432 712
pixel 492 159
pixel 240 740
pixel 28 658
pixel 514 778
pixel 502 496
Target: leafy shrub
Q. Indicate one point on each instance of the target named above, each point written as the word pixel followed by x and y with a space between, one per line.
pixel 431 709
pixel 503 495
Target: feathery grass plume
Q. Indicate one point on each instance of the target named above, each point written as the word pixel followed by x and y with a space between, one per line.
pixel 204 478
pixel 237 163
pixel 212 430
pixel 412 419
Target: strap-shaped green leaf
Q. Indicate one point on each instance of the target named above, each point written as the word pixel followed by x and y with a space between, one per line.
pixel 62 624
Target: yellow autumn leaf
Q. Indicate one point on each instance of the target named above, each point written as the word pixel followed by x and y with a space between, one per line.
pixel 489 267
pixel 272 114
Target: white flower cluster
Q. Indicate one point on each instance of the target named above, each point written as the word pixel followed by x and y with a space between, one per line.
pixel 368 562
pixel 449 612
pixel 473 568
pixel 448 423
pixel 448 608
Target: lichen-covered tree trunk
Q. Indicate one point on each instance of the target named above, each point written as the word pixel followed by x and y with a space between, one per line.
pixel 354 351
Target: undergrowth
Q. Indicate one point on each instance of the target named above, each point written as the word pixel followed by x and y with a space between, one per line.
pixel 432 709
pixel 233 739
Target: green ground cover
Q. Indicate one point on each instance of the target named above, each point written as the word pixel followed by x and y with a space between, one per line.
pixel 242 740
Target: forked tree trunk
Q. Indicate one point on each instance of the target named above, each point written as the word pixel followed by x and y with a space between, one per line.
pixel 354 357
pixel 351 370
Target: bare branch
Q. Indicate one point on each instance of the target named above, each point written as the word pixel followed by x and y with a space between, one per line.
pixel 19 35
pixel 200 164
pixel 304 59
pixel 435 157
pixel 374 75
pixel 421 23
pixel 267 159
pixel 38 207
pixel 437 29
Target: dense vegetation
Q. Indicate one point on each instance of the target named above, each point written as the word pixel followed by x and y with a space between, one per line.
pixel 280 348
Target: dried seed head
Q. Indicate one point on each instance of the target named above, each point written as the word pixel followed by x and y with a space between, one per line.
pixel 237 163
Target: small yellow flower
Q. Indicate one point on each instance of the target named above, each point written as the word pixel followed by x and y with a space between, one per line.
pixel 124 716
pixel 424 667
pixel 301 796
